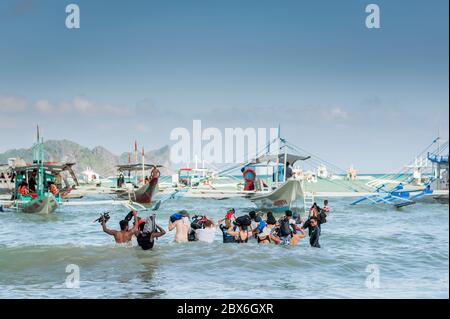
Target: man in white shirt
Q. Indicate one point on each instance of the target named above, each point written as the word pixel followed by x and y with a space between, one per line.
pixel 207 233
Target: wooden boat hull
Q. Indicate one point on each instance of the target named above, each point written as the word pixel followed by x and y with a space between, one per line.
pixel 44 205
pixel 280 199
pixel 144 194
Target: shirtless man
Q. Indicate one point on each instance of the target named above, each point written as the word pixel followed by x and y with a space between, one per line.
pixel 125 234
pixel 182 226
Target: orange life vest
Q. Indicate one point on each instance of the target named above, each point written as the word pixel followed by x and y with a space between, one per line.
pixel 23 190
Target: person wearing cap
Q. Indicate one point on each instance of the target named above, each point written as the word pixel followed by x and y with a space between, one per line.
pixel 227 238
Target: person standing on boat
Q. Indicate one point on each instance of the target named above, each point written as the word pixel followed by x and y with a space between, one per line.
pixel 124 235
pixel 289 172
pixel 154 174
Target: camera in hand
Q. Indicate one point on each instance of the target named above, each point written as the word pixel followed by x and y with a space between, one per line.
pixel 104 216
pixel 129 216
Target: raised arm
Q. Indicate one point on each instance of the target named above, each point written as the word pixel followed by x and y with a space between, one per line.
pixel 136 224
pixel 171 226
pixel 106 230
pixel 159 233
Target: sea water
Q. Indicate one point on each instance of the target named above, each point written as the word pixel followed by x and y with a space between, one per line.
pixel 367 252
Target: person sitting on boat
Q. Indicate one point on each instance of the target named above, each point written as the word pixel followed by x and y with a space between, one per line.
pixel 124 235
pixel 52 188
pixel 230 215
pixel 32 182
pixel 148 231
pixel 180 222
pixel 22 189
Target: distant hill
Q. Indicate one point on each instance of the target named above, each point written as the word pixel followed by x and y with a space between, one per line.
pixel 99 158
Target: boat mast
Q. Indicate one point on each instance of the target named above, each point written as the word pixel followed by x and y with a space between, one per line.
pixel 38 157
pixel 285 162
pixel 136 160
pixel 143 165
pixel 277 179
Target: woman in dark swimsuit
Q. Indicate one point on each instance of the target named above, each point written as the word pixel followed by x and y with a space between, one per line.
pixel 241 236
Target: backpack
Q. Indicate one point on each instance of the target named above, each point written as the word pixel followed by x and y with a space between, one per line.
pixel 285 227
pixel 322 217
pixel 262 225
pixel 150 224
pixel 175 217
pixel 198 222
pixel 243 221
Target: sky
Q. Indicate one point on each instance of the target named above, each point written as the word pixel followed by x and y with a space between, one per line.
pixel 138 69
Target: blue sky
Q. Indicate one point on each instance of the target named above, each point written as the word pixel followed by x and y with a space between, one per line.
pixel 138 69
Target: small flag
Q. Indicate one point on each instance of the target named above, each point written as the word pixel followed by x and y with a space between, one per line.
pixel 38 133
pixel 143 153
pixel 135 146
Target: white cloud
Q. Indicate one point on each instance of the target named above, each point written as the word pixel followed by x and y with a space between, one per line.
pixel 44 106
pixel 142 128
pixel 336 113
pixel 12 104
pixel 81 105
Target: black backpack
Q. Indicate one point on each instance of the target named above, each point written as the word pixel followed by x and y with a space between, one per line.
pixel 322 217
pixel 243 221
pixel 285 227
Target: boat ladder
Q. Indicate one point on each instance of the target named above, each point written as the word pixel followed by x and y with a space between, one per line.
pixel 308 201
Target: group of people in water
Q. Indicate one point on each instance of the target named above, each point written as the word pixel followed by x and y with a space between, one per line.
pixel 286 230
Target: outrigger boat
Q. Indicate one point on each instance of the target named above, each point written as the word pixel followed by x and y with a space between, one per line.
pixel 414 186
pixel 43 201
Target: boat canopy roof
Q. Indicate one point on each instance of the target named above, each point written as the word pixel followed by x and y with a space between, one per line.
pixel 54 168
pixel 438 159
pixel 135 167
pixel 291 158
pixel 48 166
